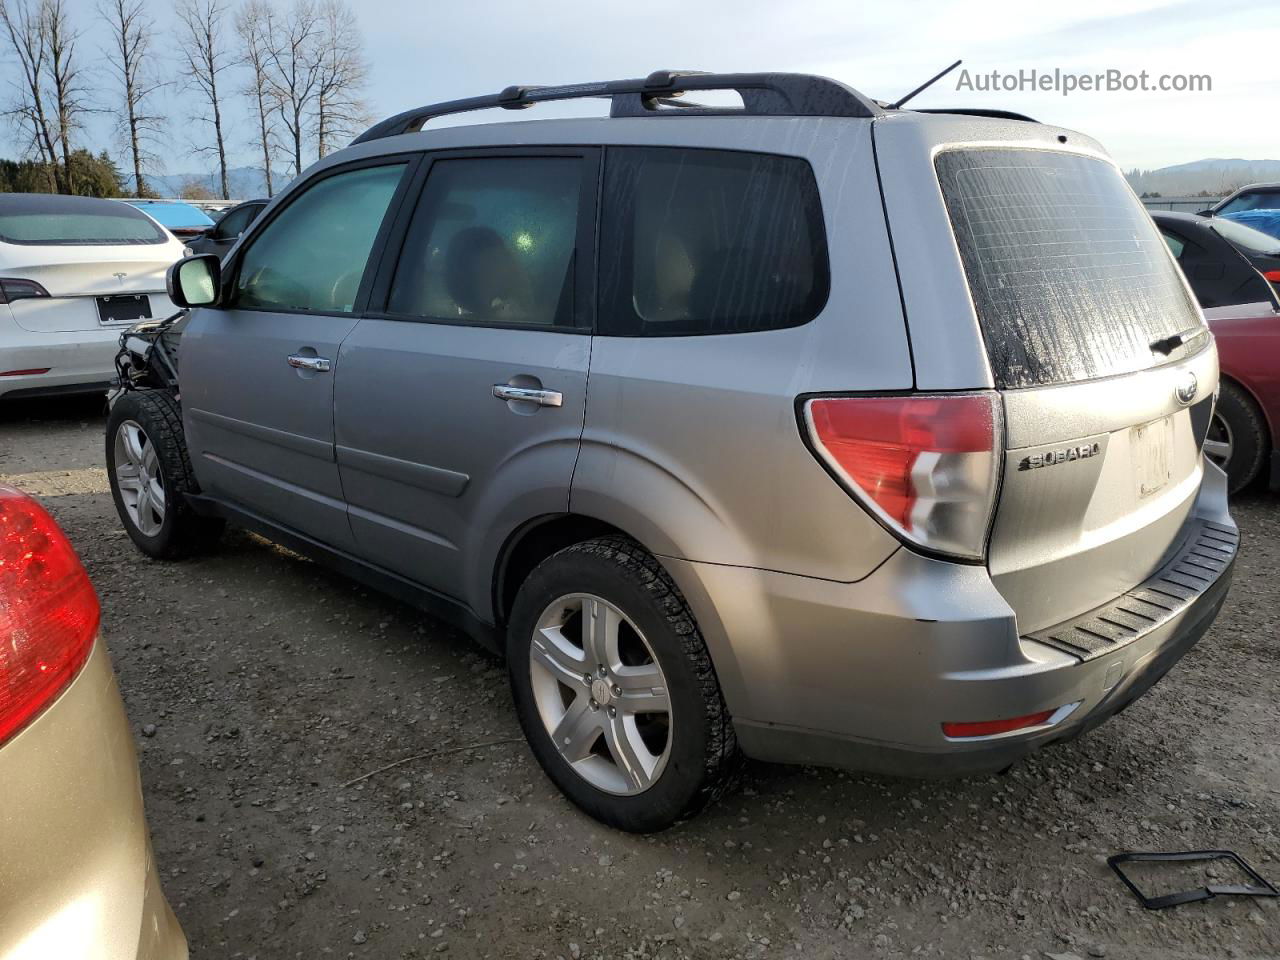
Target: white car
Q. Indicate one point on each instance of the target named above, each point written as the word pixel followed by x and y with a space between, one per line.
pixel 74 271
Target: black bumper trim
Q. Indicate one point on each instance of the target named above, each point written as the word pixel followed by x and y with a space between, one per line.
pixel 1206 553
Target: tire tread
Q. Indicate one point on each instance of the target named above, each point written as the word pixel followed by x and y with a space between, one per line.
pixel 708 770
pixel 160 414
pixel 722 757
pixel 1249 455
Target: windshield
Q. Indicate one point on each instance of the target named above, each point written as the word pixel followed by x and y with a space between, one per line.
pixel 1247 238
pixel 51 220
pixel 1070 278
pixel 1253 200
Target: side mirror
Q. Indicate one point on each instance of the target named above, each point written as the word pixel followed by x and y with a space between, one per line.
pixel 194 281
pixel 1204 213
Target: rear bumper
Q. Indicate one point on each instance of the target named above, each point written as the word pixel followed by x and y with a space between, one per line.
pixel 864 675
pixel 77 361
pixel 1104 688
pixel 77 876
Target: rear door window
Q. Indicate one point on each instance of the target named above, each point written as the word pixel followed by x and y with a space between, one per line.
pixel 1176 244
pixel 1070 278
pixel 709 241
pixel 493 240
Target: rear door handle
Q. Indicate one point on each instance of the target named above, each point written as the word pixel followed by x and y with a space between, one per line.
pixel 543 398
pixel 318 364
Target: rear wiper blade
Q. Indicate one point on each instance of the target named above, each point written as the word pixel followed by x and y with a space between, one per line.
pixel 1166 345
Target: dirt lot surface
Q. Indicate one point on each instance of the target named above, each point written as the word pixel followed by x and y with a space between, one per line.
pixel 259 685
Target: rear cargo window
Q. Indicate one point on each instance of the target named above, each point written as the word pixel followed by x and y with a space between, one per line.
pixel 1069 276
pixel 51 220
pixel 709 241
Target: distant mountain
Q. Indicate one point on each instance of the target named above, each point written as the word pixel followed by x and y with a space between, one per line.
pixel 1210 177
pixel 244 183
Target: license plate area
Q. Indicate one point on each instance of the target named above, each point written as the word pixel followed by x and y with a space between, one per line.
pixel 1151 449
pixel 124 308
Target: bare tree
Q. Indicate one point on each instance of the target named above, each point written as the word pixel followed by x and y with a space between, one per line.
pixel 69 93
pixel 24 29
pixel 254 23
pixel 295 60
pixel 204 59
pixel 306 71
pixel 50 98
pixel 131 34
pixel 340 112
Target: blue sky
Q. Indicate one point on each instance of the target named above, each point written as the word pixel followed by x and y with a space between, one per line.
pixel 426 50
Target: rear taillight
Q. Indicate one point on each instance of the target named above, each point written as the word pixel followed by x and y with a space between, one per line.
pixel 12 289
pixel 926 465
pixel 48 611
pixel 1273 276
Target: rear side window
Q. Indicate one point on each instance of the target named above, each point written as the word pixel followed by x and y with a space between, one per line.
pixel 312 256
pixel 1069 276
pixel 492 240
pixel 71 221
pixel 709 241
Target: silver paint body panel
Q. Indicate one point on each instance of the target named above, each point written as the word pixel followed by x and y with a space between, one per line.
pixel 819 621
pixel 438 471
pixel 260 432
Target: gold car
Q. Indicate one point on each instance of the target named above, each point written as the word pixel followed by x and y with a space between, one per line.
pixel 77 877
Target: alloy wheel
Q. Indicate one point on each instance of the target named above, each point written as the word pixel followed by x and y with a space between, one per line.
pixel 601 694
pixel 138 478
pixel 1219 442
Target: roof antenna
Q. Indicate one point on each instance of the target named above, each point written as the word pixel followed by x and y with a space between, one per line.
pixel 928 83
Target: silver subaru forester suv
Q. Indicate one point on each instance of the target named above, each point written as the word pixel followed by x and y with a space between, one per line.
pixel 812 429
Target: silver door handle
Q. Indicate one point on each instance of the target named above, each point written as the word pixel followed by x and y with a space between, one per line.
pixel 543 398
pixel 319 364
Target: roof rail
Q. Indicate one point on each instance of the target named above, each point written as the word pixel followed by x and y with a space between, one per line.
pixel 980 112
pixel 763 94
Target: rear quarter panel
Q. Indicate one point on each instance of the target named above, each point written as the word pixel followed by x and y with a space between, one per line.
pixel 691 444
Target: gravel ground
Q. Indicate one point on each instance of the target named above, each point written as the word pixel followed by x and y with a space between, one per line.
pixel 260 685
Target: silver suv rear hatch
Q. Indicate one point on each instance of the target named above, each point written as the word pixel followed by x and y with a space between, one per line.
pixel 1104 364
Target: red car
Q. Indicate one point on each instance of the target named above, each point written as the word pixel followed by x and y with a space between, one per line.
pixel 1244 313
pixel 1244 436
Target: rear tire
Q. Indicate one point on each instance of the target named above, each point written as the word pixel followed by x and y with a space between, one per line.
pixel 651 697
pixel 150 475
pixel 1237 439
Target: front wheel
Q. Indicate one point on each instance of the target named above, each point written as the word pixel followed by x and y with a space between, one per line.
pixel 615 689
pixel 149 472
